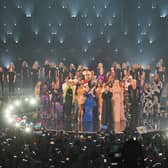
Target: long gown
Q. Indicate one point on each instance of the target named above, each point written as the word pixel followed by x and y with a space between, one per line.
pixel 107 118
pixel 118 109
pixel 90 103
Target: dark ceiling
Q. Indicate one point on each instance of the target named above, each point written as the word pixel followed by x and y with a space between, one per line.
pixel 84 31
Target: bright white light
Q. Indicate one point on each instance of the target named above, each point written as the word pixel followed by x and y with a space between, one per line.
pixel 85 50
pixel 11 107
pixel 54 33
pixel 139 41
pixel 7 115
pixel 49 41
pixel 17 125
pixel 149 24
pixel 125 33
pixel 108 41
pixel 89 41
pixel 26 99
pixel 17 103
pixel 101 32
pixel 150 41
pixel 33 101
pixel 9 120
pixel 27 129
pixel 105 6
pixel 28 14
pixel 139 6
pixel 61 41
pixel 4 41
pixel 16 41
pixel 36 32
pixel 59 24
pixel 139 24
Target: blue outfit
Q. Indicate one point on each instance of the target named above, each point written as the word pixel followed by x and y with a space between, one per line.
pixel 90 103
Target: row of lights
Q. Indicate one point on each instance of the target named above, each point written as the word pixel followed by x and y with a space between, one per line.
pixel 10 114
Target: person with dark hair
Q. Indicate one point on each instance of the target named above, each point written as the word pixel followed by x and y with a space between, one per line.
pixel 11 78
pixel 25 73
pixel 107 118
pixel 35 73
pixel 46 69
pixel 2 76
pixel 134 97
pixel 68 98
pixel 53 73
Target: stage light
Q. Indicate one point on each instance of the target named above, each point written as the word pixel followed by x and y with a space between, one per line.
pixel 150 41
pixel 101 32
pixel 36 32
pixel 139 41
pixel 61 41
pixel 94 6
pixel 105 6
pixel 125 33
pixel 11 107
pixel 54 33
pixel 4 6
pixel 49 6
pixel 33 101
pixel 49 41
pixel 4 41
pixel 15 24
pixel 17 125
pixel 74 15
pixel 139 6
pixel 85 49
pixel 108 41
pixel 89 41
pixel 149 24
pixel 49 24
pixel 28 14
pixel 4 24
pixel 26 99
pixel 17 103
pixel 59 24
pixel 10 120
pixel 28 130
pixel 16 41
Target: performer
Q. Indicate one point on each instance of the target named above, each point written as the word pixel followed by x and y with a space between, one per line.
pixel 134 96
pixel 157 91
pixel 118 106
pixel 147 103
pixel 53 73
pixel 68 99
pixel 2 77
pixel 99 91
pixel 25 73
pixel 89 105
pixel 35 73
pixel 80 101
pixel 56 102
pixel 46 68
pixel 45 108
pixel 147 72
pixel 11 78
pixel 107 117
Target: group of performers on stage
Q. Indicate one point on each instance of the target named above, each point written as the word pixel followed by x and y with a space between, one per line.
pixel 124 94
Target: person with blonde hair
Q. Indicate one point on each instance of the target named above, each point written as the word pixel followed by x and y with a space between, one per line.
pixel 118 105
